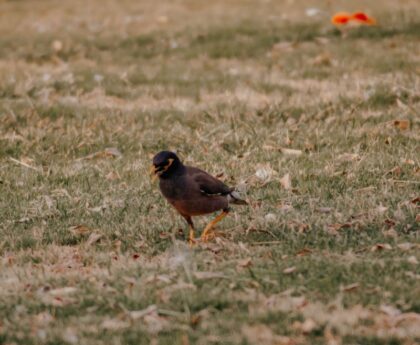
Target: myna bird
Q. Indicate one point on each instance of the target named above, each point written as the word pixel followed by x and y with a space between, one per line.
pixel 192 191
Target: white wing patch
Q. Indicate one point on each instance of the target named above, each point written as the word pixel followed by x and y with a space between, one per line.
pixel 210 194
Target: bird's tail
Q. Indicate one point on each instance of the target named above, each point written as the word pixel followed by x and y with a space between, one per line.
pixel 235 198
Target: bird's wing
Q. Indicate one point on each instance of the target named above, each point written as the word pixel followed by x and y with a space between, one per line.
pixel 208 184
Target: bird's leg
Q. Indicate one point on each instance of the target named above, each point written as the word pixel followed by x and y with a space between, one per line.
pixel 191 237
pixel 207 229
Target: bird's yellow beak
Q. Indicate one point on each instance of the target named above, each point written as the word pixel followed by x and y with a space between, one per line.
pixel 153 174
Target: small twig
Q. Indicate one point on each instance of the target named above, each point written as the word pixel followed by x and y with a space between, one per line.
pixel 404 181
pixel 266 243
pixel 25 165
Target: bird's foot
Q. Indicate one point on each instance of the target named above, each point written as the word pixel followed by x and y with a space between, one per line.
pixel 192 241
pixel 211 235
pixel 191 237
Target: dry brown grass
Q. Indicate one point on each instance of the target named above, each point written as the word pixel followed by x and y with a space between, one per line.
pixel 319 129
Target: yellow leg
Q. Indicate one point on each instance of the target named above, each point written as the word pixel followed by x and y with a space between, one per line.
pixel 191 238
pixel 207 229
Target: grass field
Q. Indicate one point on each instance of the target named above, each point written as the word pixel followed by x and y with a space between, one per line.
pixel 318 128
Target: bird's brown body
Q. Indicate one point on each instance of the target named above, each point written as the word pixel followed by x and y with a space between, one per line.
pixel 192 191
pixel 185 193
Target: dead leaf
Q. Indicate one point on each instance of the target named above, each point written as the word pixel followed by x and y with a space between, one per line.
pixel 323 59
pixel 139 314
pixel 412 260
pixel 339 226
pixel 381 246
pixel 111 176
pixel 264 173
pixel 365 189
pixel 289 270
pixel 381 209
pixel 245 262
pixel 291 152
pixel 113 152
pixel 62 291
pixel 109 152
pixel 303 252
pixel 308 326
pixel 299 226
pixel 408 162
pixel 405 246
pixel 351 287
pixel 402 124
pixel 416 201
pixel 389 310
pixel 80 230
pixel 209 275
pixel 396 171
pixel 286 182
pixel 389 222
pixel 93 238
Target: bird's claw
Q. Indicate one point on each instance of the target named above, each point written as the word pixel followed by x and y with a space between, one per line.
pixel 192 241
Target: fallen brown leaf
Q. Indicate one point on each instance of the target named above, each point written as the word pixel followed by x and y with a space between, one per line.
pixel 323 59
pixel 405 246
pixel 286 182
pixel 291 152
pixel 402 124
pixel 303 252
pixel 264 173
pixel 338 226
pixel 80 230
pixel 351 287
pixel 93 238
pixel 245 262
pixel 112 175
pixel 412 260
pixel 381 246
pixel 308 326
pixel 289 270
pixel 396 171
pixel 416 201
pixel 62 291
pixel 389 310
pixel 139 314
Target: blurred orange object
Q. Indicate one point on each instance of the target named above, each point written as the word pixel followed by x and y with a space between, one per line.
pixel 363 18
pixel 341 18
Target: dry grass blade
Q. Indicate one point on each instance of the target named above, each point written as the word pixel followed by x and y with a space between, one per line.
pixel 316 125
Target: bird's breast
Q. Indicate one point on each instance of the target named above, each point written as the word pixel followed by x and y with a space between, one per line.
pixel 173 188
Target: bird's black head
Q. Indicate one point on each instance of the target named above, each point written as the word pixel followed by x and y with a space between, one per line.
pixel 165 163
